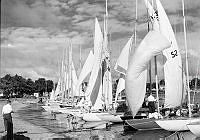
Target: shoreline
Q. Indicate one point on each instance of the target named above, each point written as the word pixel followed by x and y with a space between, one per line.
pixel 23 128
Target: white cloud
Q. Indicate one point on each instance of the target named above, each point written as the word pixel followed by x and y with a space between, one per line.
pixel 34 35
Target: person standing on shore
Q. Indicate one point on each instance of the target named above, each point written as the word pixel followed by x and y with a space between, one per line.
pixel 8 124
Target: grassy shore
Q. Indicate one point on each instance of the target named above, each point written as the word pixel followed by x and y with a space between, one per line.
pixel 23 129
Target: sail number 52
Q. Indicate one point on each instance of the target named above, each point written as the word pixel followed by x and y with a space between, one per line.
pixel 174 53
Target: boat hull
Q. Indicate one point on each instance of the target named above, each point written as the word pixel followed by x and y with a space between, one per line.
pixel 95 117
pixel 194 128
pixel 73 111
pixel 176 124
pixel 143 124
pixel 52 109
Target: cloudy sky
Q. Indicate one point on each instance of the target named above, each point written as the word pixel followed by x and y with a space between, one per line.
pixel 34 33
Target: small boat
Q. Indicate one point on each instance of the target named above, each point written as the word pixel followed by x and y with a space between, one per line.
pixel 194 128
pixel 179 124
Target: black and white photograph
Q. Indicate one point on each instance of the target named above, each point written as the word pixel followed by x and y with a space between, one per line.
pixel 100 70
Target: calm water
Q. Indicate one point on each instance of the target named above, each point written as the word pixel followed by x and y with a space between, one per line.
pixel 37 116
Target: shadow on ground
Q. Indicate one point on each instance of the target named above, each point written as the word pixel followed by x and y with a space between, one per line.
pixel 16 136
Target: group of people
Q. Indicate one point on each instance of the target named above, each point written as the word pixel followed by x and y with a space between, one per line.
pixel 150 102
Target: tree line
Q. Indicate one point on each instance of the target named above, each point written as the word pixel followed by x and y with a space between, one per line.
pixel 20 86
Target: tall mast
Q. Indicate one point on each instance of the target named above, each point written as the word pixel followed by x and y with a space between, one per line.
pixel 135 26
pixel 150 81
pixel 186 57
pixel 156 76
pixel 80 67
pixel 106 52
pixel 80 57
pixel 70 66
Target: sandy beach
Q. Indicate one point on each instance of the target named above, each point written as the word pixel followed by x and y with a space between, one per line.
pixel 23 129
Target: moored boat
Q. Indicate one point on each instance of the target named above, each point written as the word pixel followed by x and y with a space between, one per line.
pixel 178 124
pixel 103 116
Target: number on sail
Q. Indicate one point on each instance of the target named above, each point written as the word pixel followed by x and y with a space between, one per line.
pixel 174 53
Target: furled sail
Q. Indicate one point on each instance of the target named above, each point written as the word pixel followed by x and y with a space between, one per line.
pixel 151 45
pixel 94 84
pixel 122 62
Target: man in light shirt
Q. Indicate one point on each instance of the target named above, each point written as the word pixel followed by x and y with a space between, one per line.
pixel 8 124
pixel 151 103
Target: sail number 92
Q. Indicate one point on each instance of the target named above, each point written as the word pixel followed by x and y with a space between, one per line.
pixel 174 53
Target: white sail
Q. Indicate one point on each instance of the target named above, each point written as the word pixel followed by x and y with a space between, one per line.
pixel 87 68
pixel 120 87
pixel 58 88
pixel 95 77
pixel 106 73
pixel 107 88
pixel 137 69
pixel 122 62
pixel 99 101
pixel 173 65
pixel 52 95
pixel 74 80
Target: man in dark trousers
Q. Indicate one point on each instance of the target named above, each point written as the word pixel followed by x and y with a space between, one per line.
pixel 8 124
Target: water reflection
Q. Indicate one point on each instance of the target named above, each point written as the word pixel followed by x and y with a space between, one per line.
pixel 60 127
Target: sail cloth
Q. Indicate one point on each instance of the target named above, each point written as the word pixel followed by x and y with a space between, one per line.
pixel 135 84
pixel 122 62
pixel 58 88
pixel 52 95
pixel 87 68
pixel 107 89
pixel 95 78
pixel 173 65
pixel 120 86
pixel 74 80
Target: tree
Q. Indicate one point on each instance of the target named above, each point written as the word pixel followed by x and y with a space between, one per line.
pixel 40 86
pixel 31 88
pixel 20 86
pixel 49 85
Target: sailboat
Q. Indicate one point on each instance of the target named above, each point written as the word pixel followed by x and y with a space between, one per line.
pixel 101 93
pixel 173 94
pixel 121 66
pixel 181 123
